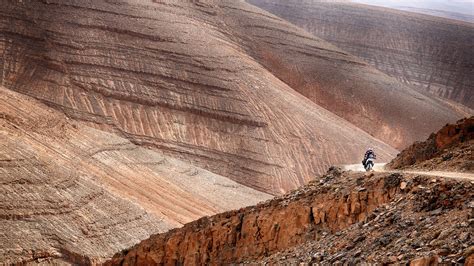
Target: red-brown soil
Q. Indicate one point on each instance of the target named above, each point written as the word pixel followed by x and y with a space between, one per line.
pixel 203 82
pixel 341 218
pixel 451 148
pixel 71 193
pixel 429 53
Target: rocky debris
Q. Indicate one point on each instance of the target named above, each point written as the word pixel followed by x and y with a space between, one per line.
pixel 399 232
pixel 339 218
pixel 451 148
pixel 393 180
pixel 333 173
pixel 73 194
pixel 425 52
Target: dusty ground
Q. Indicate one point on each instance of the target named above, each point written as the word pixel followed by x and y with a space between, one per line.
pixel 352 217
pixel 215 84
pixel 381 168
pixel 459 159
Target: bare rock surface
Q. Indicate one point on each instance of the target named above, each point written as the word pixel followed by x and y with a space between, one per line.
pixel 428 223
pixel 73 193
pixel 343 217
pixel 181 77
pixel 451 148
pixel 430 53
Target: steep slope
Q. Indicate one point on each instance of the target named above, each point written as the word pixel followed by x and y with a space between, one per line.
pixel 451 148
pixel 345 218
pixel 432 54
pixel 338 81
pixel 74 193
pixel 177 76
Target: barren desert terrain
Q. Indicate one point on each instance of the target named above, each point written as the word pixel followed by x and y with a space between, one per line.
pixel 144 132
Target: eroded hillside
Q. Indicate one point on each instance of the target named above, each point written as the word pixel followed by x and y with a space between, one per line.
pixel 72 193
pixel 203 82
pixel 433 54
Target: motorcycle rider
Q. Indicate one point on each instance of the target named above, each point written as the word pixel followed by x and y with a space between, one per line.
pixel 369 154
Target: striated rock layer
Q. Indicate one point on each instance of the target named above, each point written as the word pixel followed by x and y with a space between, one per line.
pixel 73 193
pixel 432 54
pixel 179 76
pixel 329 213
pixel 203 82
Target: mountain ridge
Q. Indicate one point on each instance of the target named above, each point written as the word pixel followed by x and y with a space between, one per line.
pixel 427 53
pixel 189 89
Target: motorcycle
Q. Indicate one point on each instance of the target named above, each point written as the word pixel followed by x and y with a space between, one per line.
pixel 369 164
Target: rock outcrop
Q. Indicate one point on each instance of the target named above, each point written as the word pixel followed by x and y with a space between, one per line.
pixel 202 81
pixel 348 217
pixel 432 54
pixel 451 148
pixel 430 224
pixel 71 193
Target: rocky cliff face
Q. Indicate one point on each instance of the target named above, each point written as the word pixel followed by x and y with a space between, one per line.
pixel 451 148
pixel 430 224
pixel 340 216
pixel 70 193
pixel 425 52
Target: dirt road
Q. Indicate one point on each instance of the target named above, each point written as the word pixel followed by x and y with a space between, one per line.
pixel 380 167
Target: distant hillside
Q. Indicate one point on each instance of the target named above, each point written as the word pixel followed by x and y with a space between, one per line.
pixel 432 54
pixel 453 9
pixel 439 13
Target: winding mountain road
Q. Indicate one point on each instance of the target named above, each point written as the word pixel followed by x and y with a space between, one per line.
pixel 380 167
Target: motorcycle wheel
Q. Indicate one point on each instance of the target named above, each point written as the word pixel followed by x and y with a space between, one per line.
pixel 368 167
